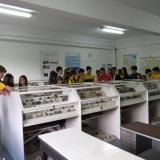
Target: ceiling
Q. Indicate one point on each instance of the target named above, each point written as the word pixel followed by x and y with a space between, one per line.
pixel 59 21
pixel 150 6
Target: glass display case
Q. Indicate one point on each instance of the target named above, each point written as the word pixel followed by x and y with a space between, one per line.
pixel 133 101
pixel 100 106
pixel 31 111
pixel 153 87
pixel 131 93
pixel 97 98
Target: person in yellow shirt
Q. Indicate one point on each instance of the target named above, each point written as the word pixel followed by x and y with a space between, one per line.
pixel 80 76
pixel 156 74
pixel 72 78
pixel 4 89
pixel 88 76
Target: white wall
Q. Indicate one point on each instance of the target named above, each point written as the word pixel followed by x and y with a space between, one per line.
pixel 143 46
pixel 24 58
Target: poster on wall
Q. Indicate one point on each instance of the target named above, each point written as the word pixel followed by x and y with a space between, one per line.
pixel 72 61
pixel 129 60
pixel 149 62
pixel 49 62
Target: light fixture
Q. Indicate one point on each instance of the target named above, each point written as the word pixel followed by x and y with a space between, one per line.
pixel 15 11
pixel 111 29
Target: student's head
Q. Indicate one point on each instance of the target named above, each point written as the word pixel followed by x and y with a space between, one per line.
pixel 134 69
pixel 98 72
pixel 59 70
pixel 8 80
pixel 52 77
pixel 81 71
pixel 73 73
pixel 114 69
pixel 155 70
pixel 89 69
pixel 102 70
pixel 119 71
pixel 148 71
pixel 2 71
pixel 23 81
pixel 124 71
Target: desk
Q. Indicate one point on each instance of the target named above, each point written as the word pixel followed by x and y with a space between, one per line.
pixel 137 137
pixel 73 144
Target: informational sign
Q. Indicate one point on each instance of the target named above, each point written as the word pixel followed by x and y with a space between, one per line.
pixel 49 62
pixel 72 61
pixel 149 63
pixel 129 60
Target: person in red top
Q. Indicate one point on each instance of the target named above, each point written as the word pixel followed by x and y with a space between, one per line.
pixel 104 76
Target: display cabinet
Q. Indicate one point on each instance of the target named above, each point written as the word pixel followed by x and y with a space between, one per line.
pixel 100 107
pixel 133 101
pixel 33 111
pixel 153 87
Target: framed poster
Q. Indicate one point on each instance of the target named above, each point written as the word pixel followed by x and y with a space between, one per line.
pixel 72 61
pixel 49 62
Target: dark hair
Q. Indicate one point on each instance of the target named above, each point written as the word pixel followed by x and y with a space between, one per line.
pixel 52 77
pixel 88 68
pixel 25 78
pixel 125 70
pixel 8 80
pixel 59 68
pixel 102 69
pixel 147 71
pixel 156 69
pixel 73 72
pixel 119 71
pixel 114 68
pixel 134 68
pixel 81 70
pixel 2 69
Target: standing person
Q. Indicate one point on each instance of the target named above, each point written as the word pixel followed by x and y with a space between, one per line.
pixel 66 76
pixel 23 81
pixel 119 75
pixel 113 72
pixel 4 89
pixel 52 78
pixel 125 74
pixel 148 73
pixel 8 80
pixel 72 78
pixel 59 71
pixel 97 75
pixel 156 73
pixel 134 74
pixel 88 76
pixel 104 76
pixel 80 76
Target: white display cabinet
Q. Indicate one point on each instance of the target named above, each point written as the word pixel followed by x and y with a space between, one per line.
pixel 133 101
pixel 33 111
pixel 153 87
pixel 100 107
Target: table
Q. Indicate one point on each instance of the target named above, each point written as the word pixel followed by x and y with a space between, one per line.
pixel 137 137
pixel 74 144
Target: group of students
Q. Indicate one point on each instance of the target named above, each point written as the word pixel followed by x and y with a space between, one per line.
pixel 71 76
pixel 82 75
pixel 7 84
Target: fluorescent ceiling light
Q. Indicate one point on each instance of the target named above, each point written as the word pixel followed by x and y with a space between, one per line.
pixel 114 30
pixel 15 11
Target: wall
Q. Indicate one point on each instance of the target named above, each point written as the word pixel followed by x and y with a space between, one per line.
pixel 143 46
pixel 24 58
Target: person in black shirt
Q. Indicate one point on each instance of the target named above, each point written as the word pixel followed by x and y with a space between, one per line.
pixel 134 74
